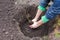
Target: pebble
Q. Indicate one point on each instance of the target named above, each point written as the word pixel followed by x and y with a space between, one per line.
pixel 6 33
pixel 11 37
pixel 15 2
pixel 3 30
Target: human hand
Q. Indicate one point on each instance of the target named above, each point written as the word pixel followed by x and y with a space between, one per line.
pixel 34 25
pixel 34 20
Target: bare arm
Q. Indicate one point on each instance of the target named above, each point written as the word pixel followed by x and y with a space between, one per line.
pixel 42 7
pixel 38 14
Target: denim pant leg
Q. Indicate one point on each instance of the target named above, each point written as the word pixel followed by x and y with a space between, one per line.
pixel 52 12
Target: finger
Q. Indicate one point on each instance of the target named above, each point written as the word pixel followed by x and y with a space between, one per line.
pixel 32 21
pixel 31 26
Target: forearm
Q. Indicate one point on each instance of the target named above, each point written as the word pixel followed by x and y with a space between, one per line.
pixel 39 11
pixel 43 20
pixel 41 8
pixel 38 14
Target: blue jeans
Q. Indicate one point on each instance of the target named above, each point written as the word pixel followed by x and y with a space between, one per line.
pixel 53 10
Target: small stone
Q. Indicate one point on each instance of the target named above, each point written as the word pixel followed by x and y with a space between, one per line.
pixel 3 30
pixel 11 37
pixel 14 20
pixel 6 33
pixel 15 2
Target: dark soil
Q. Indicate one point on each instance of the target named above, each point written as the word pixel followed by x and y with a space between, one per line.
pixel 14 21
pixel 28 13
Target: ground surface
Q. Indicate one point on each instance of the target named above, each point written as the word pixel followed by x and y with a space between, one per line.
pixel 9 29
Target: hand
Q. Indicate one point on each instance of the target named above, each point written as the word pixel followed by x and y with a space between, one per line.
pixel 34 20
pixel 34 25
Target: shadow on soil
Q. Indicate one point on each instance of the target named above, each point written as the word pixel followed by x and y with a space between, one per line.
pixel 26 13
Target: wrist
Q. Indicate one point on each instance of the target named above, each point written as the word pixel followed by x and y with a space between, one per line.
pixel 44 19
pixel 41 8
pixel 34 20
